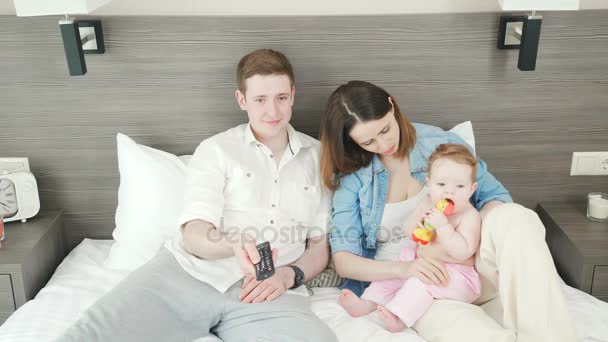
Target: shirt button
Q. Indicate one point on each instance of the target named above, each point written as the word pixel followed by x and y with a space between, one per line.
pixel 271 156
pixel 276 181
pixel 305 188
pixel 274 205
pixel 248 174
pixel 271 221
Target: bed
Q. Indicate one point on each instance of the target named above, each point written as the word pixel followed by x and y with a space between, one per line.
pixel 82 278
pixel 95 266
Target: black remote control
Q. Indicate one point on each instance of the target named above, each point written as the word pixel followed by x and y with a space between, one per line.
pixel 265 268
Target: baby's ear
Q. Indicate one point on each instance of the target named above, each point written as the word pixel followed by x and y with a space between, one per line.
pixel 473 188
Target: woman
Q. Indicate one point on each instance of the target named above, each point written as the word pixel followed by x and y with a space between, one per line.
pixel 376 160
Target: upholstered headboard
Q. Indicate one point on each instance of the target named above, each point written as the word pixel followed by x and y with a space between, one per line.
pixel 169 82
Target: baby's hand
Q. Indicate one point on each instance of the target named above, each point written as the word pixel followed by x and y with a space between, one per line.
pixel 436 218
pixel 423 211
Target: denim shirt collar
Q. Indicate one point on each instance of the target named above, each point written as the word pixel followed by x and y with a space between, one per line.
pixel 376 174
pixel 367 172
pixel 377 165
pixel 417 164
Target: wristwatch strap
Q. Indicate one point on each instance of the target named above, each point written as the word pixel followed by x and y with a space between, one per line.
pixel 298 277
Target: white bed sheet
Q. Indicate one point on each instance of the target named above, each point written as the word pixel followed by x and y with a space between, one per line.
pixel 81 279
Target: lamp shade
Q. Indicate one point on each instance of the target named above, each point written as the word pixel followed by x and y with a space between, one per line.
pixel 539 5
pixel 26 8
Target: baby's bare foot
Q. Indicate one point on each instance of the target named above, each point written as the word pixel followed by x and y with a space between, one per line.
pixel 392 323
pixel 355 306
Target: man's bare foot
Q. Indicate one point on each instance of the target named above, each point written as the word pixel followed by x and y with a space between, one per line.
pixel 392 323
pixel 355 306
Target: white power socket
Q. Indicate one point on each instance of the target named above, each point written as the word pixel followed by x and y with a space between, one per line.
pixel 589 163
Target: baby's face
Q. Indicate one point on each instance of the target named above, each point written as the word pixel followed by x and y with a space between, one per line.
pixel 451 180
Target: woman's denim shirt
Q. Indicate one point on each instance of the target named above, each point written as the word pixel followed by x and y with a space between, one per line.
pixel 358 203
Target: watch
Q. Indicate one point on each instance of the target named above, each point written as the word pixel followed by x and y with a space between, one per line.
pixel 298 278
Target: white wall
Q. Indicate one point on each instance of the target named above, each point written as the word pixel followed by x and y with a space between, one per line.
pixel 295 7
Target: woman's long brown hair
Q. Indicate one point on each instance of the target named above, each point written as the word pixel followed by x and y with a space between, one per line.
pixel 353 102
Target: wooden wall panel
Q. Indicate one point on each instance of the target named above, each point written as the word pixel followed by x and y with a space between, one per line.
pixel 169 81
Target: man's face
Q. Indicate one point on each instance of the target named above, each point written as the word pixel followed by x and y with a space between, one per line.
pixel 268 101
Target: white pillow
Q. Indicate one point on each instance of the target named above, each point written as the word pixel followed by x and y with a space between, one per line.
pixel 150 198
pixel 465 131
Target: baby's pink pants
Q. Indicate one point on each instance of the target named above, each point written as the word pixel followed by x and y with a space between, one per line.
pixel 409 299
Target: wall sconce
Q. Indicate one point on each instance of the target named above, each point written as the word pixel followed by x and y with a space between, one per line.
pixel 523 32
pixel 79 37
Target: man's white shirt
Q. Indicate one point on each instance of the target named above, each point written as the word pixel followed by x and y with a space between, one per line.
pixel 235 184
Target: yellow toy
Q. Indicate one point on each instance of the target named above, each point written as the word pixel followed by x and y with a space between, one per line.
pixel 424 235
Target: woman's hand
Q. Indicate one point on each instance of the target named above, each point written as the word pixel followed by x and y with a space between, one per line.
pixel 254 291
pixel 429 271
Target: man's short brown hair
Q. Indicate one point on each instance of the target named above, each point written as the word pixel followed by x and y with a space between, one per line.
pixel 456 152
pixel 262 62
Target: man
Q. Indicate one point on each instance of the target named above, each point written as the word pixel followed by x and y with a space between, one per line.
pixel 253 183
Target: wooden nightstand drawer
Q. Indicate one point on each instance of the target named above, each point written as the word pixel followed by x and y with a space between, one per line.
pixel 28 257
pixel 599 287
pixel 7 301
pixel 579 246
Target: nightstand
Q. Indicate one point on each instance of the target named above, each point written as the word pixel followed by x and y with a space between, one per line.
pixel 28 257
pixel 579 246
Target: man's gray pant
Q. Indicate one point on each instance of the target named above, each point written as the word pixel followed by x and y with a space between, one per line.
pixel 162 302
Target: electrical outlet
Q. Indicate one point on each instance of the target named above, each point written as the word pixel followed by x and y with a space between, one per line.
pixel 604 166
pixel 589 163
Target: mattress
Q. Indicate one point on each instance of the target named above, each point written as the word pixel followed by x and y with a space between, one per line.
pixel 82 278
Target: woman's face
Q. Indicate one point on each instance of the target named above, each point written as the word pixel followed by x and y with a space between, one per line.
pixel 377 136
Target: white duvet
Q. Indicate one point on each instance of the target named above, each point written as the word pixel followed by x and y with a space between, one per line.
pixel 81 279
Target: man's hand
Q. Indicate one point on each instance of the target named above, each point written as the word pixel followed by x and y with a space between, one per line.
pixel 246 253
pixel 254 291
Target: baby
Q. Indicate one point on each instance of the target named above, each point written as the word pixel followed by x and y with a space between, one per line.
pixel 401 302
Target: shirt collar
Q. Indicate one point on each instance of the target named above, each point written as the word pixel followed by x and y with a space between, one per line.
pixel 249 137
pixel 377 165
pixel 417 161
pixel 295 142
